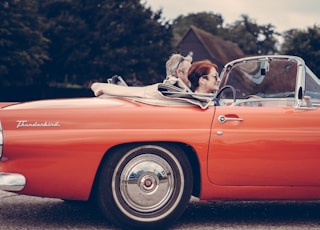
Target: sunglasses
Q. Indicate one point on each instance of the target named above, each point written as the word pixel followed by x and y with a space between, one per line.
pixel 216 76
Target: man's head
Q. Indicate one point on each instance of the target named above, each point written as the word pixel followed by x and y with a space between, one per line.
pixel 178 66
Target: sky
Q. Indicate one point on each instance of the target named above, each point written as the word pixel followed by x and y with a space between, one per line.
pixel 283 14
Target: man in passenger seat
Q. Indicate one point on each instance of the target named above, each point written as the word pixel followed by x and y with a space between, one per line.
pixel 178 66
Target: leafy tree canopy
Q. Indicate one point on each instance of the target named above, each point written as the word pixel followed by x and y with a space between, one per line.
pixel 22 44
pixel 95 39
pixel 305 44
pixel 76 41
pixel 252 38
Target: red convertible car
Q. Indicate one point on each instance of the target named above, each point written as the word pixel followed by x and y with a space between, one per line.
pixel 140 153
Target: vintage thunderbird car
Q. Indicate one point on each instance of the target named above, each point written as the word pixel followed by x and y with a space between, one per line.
pixel 140 153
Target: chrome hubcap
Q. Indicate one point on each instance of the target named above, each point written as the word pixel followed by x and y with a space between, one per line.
pixel 146 183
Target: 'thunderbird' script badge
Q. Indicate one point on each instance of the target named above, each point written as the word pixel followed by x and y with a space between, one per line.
pixel 25 124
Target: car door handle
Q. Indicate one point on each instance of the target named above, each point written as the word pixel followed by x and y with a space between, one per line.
pixel 222 119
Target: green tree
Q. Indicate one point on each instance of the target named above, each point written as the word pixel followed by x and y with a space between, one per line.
pixel 96 39
pixel 70 45
pixel 252 38
pixel 134 41
pixel 305 44
pixel 23 46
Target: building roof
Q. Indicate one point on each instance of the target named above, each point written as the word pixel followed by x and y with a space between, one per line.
pixel 219 50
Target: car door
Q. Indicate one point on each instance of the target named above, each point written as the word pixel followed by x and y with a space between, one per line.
pixel 264 146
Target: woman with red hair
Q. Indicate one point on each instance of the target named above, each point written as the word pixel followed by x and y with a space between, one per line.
pixel 204 77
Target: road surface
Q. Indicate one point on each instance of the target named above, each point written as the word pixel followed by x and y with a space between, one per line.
pixel 26 212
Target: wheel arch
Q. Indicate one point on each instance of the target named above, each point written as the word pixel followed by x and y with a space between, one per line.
pixel 187 149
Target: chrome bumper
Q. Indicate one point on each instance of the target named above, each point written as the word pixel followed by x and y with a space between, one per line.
pixel 12 182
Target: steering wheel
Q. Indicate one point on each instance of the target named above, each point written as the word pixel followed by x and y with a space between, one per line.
pixel 223 89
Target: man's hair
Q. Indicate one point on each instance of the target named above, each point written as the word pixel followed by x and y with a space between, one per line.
pixel 173 64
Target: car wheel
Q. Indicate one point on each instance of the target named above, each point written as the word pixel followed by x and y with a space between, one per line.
pixel 144 186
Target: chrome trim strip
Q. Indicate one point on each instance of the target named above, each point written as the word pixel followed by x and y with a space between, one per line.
pixel 12 182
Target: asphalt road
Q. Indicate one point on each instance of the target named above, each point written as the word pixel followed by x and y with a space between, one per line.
pixel 26 212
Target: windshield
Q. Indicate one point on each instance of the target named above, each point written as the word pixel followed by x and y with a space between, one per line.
pixel 264 77
pixel 312 84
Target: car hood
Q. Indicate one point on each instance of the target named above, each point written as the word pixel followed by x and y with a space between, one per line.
pixel 66 103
